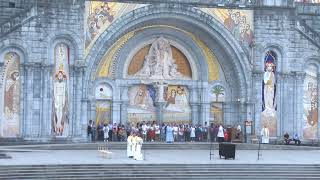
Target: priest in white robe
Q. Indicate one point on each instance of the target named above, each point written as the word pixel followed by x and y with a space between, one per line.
pixel 138 145
pixel 265 135
pixel 130 145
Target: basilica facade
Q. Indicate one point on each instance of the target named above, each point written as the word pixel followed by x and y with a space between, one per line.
pixel 248 63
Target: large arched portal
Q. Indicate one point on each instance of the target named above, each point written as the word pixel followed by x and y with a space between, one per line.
pixel 162 65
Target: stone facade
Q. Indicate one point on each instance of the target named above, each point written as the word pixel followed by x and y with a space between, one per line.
pixel 46 24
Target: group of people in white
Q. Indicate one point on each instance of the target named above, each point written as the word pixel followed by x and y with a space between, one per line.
pixel 134 145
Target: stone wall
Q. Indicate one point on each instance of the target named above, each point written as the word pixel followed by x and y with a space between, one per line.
pixel 56 21
pixel 63 21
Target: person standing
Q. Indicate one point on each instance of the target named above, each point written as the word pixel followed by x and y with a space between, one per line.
pixel 157 132
pixel 94 132
pixel 169 134
pixel 175 132
pixel 138 146
pixel 220 134
pixel 205 130
pixel 192 133
pixel 130 143
pixel 265 135
pixel 89 131
pixel 105 132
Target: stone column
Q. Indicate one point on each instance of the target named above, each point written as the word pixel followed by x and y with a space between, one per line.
pixel 28 101
pixel 159 113
pixel 124 104
pixel 205 104
pixel 194 99
pixel 298 104
pixel 23 99
pixel 84 117
pixel 84 106
pixel 160 102
pixel 257 77
pixel 116 111
pixel 43 102
pixel 77 98
pixel 285 103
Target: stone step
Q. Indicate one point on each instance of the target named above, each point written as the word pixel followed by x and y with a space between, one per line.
pixel 65 168
pixel 151 146
pixel 165 176
pixel 182 166
pixel 161 171
pixel 216 166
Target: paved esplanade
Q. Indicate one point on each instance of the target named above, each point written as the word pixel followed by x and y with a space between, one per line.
pixel 162 157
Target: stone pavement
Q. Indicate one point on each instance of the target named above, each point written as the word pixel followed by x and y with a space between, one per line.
pixel 161 157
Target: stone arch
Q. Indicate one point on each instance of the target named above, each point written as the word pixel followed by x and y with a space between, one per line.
pixel 204 26
pixel 227 90
pixel 107 83
pixel 278 50
pixel 20 50
pixel 67 40
pixel 308 125
pixel 147 37
pixel 312 60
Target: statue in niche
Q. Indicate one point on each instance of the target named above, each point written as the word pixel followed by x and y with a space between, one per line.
pixel 159 63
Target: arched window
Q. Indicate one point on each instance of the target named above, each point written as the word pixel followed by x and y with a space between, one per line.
pixel 310 102
pixel 60 120
pixel 10 125
pixel 269 104
pixel 218 95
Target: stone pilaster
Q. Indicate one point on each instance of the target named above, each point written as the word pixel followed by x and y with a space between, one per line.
pixel 84 117
pixel 116 111
pixel 285 100
pixel 257 77
pixel 124 104
pixel 298 78
pixel 159 113
pixel 28 128
pixel 194 103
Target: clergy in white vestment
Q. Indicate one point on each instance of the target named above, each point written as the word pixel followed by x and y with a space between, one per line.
pixel 265 135
pixel 130 145
pixel 138 153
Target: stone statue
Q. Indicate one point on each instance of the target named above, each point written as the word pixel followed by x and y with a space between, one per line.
pixel 159 63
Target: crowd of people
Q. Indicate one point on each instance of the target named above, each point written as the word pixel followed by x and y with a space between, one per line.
pixel 166 132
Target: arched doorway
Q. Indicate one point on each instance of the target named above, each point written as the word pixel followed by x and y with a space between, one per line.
pixel 212 52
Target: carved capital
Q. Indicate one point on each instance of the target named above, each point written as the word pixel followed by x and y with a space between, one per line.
pixel 257 74
pixel 298 75
pixel 284 76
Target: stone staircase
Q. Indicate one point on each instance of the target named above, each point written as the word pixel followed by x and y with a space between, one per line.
pixel 161 171
pixel 18 21
pixel 309 33
pixel 308 21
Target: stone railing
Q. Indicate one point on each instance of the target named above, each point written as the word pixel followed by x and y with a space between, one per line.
pixel 17 21
pixel 308 1
pixel 204 3
pixel 308 32
pixel 246 4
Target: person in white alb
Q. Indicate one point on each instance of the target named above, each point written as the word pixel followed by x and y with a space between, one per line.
pixel 138 145
pixel 265 135
pixel 220 134
pixel 130 147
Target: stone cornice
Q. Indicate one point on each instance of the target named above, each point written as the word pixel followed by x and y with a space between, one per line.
pixel 257 74
pixel 299 75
